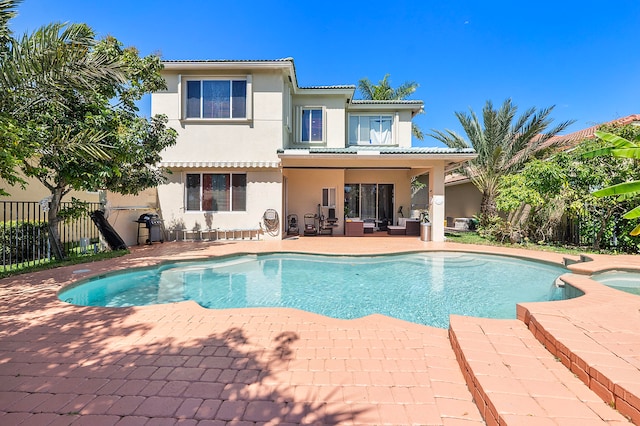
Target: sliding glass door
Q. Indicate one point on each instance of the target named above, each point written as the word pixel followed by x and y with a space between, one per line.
pixel 371 201
pixel 368 201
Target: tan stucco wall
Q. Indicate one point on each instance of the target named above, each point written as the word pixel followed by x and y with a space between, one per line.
pixel 304 193
pixel 462 200
pixel 255 139
pixel 334 124
pixel 36 191
pixel 264 191
pixel 123 210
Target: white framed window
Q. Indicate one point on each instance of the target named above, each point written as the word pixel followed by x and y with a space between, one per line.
pixel 216 99
pixel 370 130
pixel 328 197
pixel 216 192
pixel 311 128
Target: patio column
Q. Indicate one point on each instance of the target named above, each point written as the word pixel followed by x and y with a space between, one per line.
pixel 436 202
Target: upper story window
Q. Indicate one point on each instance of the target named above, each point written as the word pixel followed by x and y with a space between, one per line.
pixel 370 130
pixel 311 124
pixel 216 99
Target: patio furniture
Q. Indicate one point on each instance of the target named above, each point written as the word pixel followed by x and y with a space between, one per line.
pixel 396 230
pixel 412 226
pixel 354 228
pixel 310 227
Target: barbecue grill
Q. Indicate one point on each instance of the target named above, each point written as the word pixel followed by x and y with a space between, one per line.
pixel 154 226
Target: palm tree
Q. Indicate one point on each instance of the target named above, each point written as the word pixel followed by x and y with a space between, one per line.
pixel 503 143
pixel 35 69
pixel 384 92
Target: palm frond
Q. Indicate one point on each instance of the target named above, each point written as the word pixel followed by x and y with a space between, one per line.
pixel 405 90
pixel 366 88
pixel 632 214
pixel 449 138
pixel 57 57
pixel 7 12
pixel 627 153
pixel 621 188
pixel 617 143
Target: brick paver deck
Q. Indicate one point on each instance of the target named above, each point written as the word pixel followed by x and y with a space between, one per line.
pixel 182 364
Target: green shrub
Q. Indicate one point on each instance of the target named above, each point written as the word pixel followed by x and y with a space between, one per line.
pixel 23 241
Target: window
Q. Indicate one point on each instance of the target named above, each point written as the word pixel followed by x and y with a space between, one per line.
pixel 370 130
pixel 216 99
pixel 369 201
pixel 217 192
pixel 328 197
pixel 311 127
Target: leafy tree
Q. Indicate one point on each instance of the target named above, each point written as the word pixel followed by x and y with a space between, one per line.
pixel 86 135
pixel 384 92
pixel 620 147
pixel 538 197
pixel 503 142
pixel 33 69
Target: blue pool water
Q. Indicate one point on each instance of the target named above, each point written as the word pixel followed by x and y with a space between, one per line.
pixel 424 288
pixel 626 281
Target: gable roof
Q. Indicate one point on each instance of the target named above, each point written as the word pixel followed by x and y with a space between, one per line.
pixel 289 68
pixel 572 139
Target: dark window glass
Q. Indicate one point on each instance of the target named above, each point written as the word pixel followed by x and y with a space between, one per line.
pixel 239 99
pixel 239 193
pixel 193 192
pixel 193 99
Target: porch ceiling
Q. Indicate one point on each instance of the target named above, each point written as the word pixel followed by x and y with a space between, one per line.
pixel 370 157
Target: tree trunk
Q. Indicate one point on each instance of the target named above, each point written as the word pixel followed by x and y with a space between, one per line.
pixel 54 235
pixel 488 207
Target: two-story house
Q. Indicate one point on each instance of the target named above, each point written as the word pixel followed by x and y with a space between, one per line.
pixel 254 147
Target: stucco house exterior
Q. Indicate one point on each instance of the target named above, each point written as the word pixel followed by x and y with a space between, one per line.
pixel 255 147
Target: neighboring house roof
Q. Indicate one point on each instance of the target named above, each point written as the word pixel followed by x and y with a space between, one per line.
pixel 572 139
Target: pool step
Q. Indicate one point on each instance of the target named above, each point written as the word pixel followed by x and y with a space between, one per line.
pixel 516 381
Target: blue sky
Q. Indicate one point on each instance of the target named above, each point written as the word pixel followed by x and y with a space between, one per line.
pixel 581 56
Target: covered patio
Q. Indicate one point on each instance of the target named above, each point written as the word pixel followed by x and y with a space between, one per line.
pixel 368 183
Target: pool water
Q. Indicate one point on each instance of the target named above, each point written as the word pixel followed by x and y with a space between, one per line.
pixel 424 288
pixel 626 281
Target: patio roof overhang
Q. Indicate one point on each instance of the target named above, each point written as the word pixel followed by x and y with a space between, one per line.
pixel 374 157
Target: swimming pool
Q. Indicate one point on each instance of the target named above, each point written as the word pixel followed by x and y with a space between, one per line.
pixel 424 288
pixel 627 281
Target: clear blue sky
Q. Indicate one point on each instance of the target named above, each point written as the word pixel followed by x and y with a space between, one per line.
pixel 582 56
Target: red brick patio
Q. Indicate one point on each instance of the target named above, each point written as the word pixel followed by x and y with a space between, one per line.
pixel 182 364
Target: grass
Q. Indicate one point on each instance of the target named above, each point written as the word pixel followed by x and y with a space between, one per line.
pixel 474 238
pixel 50 264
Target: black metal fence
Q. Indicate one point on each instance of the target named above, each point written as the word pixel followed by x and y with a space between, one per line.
pixel 24 238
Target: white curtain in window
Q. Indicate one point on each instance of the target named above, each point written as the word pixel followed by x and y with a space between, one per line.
pixel 380 133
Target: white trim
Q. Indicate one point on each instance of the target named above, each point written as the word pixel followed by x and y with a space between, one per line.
pixel 201 174
pixel 183 96
pixel 394 124
pixel 221 164
pixel 298 136
pixel 331 197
